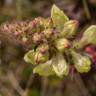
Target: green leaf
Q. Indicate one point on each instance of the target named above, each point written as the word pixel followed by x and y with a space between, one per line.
pixel 89 37
pixel 81 63
pixel 58 18
pixel 44 69
pixel 29 57
pixel 60 66
pixel 70 29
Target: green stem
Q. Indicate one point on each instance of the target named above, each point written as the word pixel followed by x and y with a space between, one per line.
pixel 86 9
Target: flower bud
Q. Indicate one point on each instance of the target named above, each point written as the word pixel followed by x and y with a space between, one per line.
pixel 37 38
pixel 39 24
pixel 51 34
pixel 41 58
pixel 43 48
pixel 70 28
pixel 62 44
pixel 48 23
pixel 90 50
pixel 48 33
pixel 24 39
pixel 81 63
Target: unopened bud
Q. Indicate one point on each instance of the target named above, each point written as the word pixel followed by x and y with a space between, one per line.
pixel 37 38
pixel 62 44
pixel 41 58
pixel 48 33
pixel 43 48
pixel 48 23
pixel 24 39
pixel 39 26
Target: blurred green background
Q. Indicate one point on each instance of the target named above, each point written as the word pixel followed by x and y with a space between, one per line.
pixel 16 77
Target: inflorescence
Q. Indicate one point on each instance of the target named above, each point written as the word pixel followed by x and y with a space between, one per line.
pixel 52 45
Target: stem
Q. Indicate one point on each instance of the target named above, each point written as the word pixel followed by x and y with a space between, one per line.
pixel 86 9
pixel 44 86
pixel 30 81
pixel 15 83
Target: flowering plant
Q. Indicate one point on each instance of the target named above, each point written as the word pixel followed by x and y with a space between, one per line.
pixel 56 49
pixel 52 45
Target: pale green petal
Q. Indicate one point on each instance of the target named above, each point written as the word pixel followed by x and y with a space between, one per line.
pixel 70 29
pixel 44 69
pixel 89 37
pixel 60 66
pixel 61 44
pixel 29 57
pixel 81 63
pixel 58 18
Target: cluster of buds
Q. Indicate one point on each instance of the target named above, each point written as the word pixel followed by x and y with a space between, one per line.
pixel 51 45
